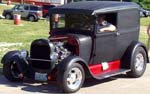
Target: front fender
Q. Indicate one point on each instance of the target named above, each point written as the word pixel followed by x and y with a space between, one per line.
pixel 15 56
pixel 67 62
pixel 8 57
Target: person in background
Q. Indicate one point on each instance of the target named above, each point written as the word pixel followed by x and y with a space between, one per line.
pixel 56 20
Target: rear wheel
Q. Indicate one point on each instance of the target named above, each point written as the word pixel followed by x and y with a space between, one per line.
pixel 72 79
pixel 138 64
pixel 31 18
pixel 11 71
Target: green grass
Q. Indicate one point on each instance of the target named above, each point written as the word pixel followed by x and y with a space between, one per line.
pixel 145 21
pixel 143 33
pixel 25 33
pixel 143 37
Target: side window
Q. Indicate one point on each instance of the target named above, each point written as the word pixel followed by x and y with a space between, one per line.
pixel 35 8
pixel 17 7
pixel 26 7
pixel 20 7
pixel 32 8
pixel 107 22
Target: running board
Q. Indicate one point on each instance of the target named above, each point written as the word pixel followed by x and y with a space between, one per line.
pixel 113 73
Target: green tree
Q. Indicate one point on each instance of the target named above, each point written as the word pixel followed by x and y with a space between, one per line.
pixel 143 3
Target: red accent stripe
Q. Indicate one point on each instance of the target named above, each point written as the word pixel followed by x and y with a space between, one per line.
pixel 97 68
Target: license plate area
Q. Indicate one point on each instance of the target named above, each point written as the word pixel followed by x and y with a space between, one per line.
pixel 40 76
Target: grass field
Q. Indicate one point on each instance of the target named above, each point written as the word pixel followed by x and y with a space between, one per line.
pixel 145 21
pixel 25 33
pixel 22 35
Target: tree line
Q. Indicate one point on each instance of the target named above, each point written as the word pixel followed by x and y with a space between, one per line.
pixel 143 3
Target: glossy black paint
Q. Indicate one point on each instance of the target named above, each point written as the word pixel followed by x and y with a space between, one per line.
pixel 40 51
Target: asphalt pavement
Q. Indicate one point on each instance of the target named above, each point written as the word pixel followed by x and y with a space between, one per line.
pixel 114 85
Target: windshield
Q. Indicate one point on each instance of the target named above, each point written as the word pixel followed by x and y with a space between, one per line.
pixel 73 21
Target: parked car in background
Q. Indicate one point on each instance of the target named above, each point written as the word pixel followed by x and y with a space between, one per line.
pixel 30 12
pixel 144 12
pixel 45 9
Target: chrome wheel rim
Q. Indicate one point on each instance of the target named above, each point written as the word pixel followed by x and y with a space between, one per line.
pixel 139 62
pixel 74 78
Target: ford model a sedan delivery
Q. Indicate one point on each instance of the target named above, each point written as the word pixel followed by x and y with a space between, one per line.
pixel 87 39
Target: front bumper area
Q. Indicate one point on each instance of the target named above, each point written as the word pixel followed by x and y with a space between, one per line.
pixel 26 68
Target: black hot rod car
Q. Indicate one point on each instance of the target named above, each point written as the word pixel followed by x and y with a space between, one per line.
pixel 76 50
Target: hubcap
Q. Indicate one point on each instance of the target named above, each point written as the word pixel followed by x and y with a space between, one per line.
pixel 74 78
pixel 139 62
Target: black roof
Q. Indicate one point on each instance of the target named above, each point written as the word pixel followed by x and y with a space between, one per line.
pixel 93 7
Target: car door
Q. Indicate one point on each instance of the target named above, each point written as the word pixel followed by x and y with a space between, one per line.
pixel 25 11
pixel 106 41
pixel 105 47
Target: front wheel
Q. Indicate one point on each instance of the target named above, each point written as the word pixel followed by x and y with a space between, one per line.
pixel 72 79
pixel 11 71
pixel 8 16
pixel 138 63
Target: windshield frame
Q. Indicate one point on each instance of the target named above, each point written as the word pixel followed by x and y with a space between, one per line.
pixel 72 29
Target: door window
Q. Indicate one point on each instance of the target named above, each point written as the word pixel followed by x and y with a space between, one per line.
pixel 26 7
pixel 106 22
pixel 19 7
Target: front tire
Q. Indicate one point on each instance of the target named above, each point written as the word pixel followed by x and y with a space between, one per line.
pixel 72 79
pixel 11 71
pixel 138 63
pixel 8 16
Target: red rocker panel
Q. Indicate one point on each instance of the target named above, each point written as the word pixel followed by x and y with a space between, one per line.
pixel 97 69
